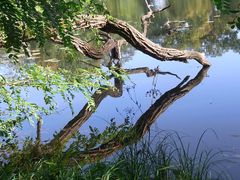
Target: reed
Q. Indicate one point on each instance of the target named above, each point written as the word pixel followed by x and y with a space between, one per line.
pixel 166 156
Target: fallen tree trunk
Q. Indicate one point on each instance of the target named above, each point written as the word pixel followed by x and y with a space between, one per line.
pixel 137 39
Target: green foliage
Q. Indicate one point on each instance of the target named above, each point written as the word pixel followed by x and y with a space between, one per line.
pixel 40 19
pixel 83 142
pixel 231 8
pixel 167 159
pixel 16 101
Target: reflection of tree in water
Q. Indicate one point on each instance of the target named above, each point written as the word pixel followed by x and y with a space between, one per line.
pixel 128 10
pixel 154 92
pixel 158 4
pixel 114 137
pixel 190 25
pixel 143 124
pixel 127 53
pixel 212 44
pixel 215 45
pixel 122 135
pixel 197 25
pixel 216 42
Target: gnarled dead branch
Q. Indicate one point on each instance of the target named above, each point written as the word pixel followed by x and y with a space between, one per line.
pixel 137 39
pixel 131 35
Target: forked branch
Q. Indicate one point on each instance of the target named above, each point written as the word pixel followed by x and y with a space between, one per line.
pixel 137 39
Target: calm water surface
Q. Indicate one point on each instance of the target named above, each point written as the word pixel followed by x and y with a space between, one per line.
pixel 211 105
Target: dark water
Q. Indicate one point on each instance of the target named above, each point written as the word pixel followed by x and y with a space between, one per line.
pixel 212 103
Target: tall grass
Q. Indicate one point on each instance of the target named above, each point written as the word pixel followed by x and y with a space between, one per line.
pixel 170 159
pixel 165 156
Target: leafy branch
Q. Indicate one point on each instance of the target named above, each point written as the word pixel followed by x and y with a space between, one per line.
pixel 15 95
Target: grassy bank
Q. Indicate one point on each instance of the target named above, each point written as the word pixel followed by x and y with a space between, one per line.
pixel 163 157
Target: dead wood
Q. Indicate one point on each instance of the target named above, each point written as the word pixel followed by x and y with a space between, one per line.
pixel 137 39
pixel 87 49
pixel 131 35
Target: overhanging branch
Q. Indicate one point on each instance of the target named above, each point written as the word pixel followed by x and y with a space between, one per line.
pixel 137 39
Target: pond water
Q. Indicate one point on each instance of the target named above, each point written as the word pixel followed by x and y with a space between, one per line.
pixel 211 102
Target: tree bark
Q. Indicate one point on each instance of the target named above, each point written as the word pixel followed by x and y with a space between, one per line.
pixel 131 35
pixel 137 39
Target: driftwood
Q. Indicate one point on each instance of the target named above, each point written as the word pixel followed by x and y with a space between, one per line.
pixel 137 39
pixel 87 49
